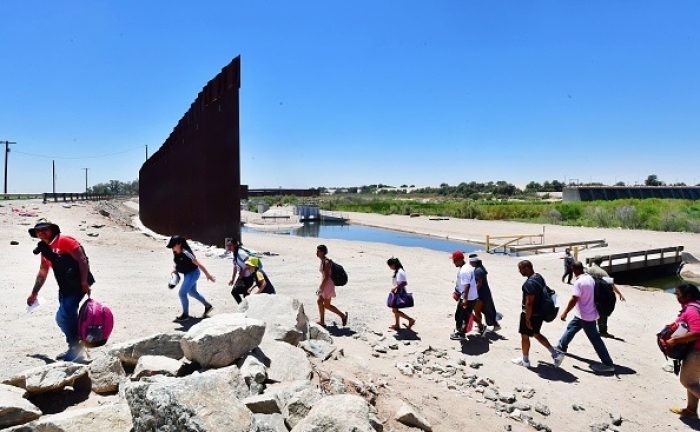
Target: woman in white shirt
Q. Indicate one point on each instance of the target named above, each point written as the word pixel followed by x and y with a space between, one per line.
pixel 399 280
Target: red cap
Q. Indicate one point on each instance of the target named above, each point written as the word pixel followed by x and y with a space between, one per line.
pixel 457 255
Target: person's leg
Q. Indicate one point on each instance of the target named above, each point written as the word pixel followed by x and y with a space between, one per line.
pixel 67 317
pixel 459 317
pixel 690 379
pixel 571 274
pixel 592 333
pixel 327 304
pixel 603 325
pixel 396 318
pixel 238 291
pixel 188 282
pixel 478 307
pixel 404 316
pixel 321 311
pixel 574 327
pixel 525 345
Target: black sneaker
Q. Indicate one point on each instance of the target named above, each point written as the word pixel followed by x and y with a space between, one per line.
pixel 183 317
pixel 457 336
pixel 607 335
pixel 208 309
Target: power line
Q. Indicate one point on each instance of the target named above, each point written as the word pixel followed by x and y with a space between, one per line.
pixel 80 157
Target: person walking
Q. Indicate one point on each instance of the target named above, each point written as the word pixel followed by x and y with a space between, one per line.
pixel 598 273
pixel 71 269
pixel 568 262
pixel 485 303
pixel 261 283
pixel 187 264
pixel 399 282
pixel 465 294
pixel 326 290
pixel 689 297
pixel 245 279
pixel 530 318
pixel 585 316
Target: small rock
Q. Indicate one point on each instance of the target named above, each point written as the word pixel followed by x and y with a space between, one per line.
pixel 577 407
pixel 475 365
pixel 491 394
pixel 394 346
pixel 616 419
pixel 522 406
pixel 380 349
pixel 507 397
pixel 542 409
pixel 668 368
pixel 14 242
pixel 408 416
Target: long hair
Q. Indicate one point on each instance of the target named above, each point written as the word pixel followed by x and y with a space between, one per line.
pixel 185 246
pixel 689 291
pixel 396 263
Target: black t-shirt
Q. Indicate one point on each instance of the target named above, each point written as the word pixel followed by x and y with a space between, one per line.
pixel 480 273
pixel 183 261
pixel 534 285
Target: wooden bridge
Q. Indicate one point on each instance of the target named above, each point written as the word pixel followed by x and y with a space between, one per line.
pixel 652 261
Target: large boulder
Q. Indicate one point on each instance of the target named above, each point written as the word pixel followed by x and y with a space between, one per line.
pixel 50 377
pixel 284 316
pixel 163 344
pixel 283 361
pixel 105 418
pixel 268 423
pixel 106 373
pixel 339 413
pixel 221 340
pixel 197 403
pixel 14 408
pixel 298 406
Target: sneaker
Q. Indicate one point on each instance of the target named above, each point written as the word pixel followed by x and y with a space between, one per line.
pixel 483 331
pixel 457 335
pixel 560 349
pixel 73 354
pixel 208 309
pixel 521 362
pixel 607 335
pixel 496 328
pixel 600 367
pixel 558 359
pixel 62 355
pixel 183 317
pixel 499 316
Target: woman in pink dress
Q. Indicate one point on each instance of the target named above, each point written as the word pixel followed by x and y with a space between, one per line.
pixel 326 290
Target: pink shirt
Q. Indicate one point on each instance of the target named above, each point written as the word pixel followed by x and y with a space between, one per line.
pixel 691 316
pixel 584 289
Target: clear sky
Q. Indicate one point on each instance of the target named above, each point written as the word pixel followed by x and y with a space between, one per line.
pixel 350 93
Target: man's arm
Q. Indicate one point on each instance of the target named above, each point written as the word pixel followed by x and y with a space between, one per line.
pixel 529 304
pixel 569 306
pixel 617 291
pixel 84 267
pixel 39 282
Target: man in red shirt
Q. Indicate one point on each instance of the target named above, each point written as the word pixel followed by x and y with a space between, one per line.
pixel 72 272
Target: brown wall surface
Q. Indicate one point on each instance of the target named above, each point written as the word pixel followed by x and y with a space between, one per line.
pixel 191 185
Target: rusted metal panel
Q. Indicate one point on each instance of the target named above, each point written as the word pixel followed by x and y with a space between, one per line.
pixel 192 185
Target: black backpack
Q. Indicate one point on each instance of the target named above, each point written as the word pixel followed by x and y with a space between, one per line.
pixel 548 309
pixel 604 297
pixel 338 274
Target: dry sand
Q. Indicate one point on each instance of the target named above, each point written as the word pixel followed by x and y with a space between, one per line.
pixel 132 271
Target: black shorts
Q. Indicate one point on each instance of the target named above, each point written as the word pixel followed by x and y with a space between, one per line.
pixel 535 322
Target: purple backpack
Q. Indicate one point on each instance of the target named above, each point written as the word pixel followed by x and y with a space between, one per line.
pixel 95 323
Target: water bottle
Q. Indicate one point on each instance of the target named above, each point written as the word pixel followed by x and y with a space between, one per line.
pixel 174 280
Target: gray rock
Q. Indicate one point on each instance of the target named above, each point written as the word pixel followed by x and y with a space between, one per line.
pixel 263 404
pixel 14 408
pixel 298 406
pixel 283 361
pixel 222 339
pixel 522 406
pixel 491 393
pixel 164 344
pixel 268 423
pixel 50 377
pixel 106 373
pixel 616 419
pixel 317 332
pixel 577 407
pixel 339 413
pixel 318 348
pixel 149 365
pixel 252 369
pixel 196 403
pixel 105 418
pixel 598 427
pixel 393 346
pixel 475 365
pixel 410 417
pixel 380 349
pixel 284 316
pixel 506 397
pixel 542 409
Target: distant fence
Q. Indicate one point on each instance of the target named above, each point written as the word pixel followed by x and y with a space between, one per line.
pixel 17 196
pixel 192 185
pixel 607 193
pixel 63 196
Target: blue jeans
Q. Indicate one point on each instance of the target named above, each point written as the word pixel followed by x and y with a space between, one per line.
pixel 67 316
pixel 189 287
pixel 575 325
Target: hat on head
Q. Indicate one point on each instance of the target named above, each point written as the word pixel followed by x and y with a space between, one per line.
pixel 253 262
pixel 44 223
pixel 474 258
pixel 597 259
pixel 175 240
pixel 457 255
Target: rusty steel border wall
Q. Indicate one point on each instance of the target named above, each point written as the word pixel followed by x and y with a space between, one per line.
pixel 192 185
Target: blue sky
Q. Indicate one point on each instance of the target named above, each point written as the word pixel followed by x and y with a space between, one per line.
pixel 338 93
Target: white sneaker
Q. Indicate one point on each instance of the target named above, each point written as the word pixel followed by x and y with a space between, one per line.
pixel 521 362
pixel 558 359
pixel 496 328
pixel 483 331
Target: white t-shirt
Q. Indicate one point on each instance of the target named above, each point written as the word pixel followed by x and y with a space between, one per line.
pixel 584 289
pixel 400 277
pixel 240 263
pixel 465 276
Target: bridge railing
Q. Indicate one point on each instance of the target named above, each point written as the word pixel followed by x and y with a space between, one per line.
pixel 82 196
pixel 650 257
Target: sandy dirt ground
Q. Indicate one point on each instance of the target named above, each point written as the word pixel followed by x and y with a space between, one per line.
pixel 132 271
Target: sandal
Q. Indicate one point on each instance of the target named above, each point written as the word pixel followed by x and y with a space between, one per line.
pixel 410 324
pixel 345 319
pixel 393 327
pixel 683 412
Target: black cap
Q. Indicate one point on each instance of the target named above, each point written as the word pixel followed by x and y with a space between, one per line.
pixel 174 240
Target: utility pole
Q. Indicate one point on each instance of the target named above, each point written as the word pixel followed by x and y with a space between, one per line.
pixel 53 174
pixel 146 151
pixel 7 153
pixel 86 182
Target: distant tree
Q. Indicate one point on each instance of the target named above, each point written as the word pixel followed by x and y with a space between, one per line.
pixel 653 180
pixel 620 183
pixel 403 186
pixel 679 184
